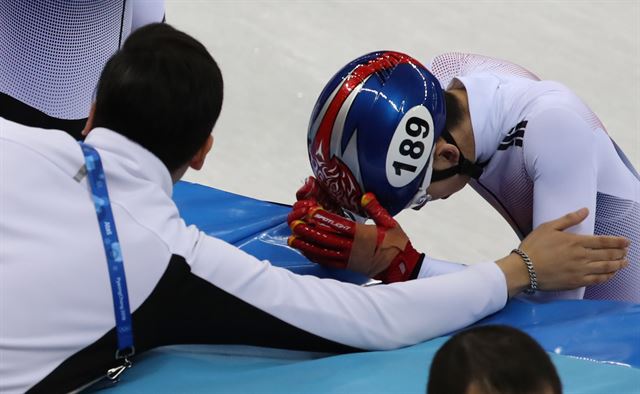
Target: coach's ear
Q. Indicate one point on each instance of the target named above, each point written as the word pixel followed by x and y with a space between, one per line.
pixel 89 125
pixel 198 159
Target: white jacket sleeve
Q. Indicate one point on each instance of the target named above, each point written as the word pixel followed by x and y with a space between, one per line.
pixel 376 317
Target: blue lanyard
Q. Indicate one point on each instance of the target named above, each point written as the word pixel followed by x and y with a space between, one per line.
pixel 100 195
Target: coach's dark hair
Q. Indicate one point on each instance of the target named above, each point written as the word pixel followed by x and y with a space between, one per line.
pixel 163 90
pixel 495 359
pixel 454 111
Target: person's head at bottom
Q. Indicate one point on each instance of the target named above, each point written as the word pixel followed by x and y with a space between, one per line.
pixel 492 360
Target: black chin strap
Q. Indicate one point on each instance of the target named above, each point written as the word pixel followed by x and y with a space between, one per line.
pixel 464 166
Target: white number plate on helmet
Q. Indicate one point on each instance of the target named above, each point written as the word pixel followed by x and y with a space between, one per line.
pixel 410 147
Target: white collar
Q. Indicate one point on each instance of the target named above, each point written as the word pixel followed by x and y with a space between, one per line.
pixel 481 91
pixel 133 157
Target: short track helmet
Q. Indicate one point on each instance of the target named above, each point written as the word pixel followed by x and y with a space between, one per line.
pixel 374 128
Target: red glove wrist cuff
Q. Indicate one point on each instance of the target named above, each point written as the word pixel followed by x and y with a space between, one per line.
pixel 405 266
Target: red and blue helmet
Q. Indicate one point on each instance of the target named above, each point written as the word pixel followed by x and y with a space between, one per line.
pixel 374 128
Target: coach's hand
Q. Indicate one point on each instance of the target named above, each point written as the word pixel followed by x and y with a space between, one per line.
pixel 382 251
pixel 564 260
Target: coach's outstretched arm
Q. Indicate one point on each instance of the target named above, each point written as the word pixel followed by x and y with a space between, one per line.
pixel 561 260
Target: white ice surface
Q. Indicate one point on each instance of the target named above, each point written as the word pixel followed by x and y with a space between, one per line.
pixel 276 56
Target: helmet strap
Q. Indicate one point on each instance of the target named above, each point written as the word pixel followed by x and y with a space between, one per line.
pixel 464 166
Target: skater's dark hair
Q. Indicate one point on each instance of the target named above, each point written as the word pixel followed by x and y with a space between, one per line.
pixel 454 111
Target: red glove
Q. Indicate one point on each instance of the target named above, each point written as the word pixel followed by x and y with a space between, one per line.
pixel 382 251
pixel 311 190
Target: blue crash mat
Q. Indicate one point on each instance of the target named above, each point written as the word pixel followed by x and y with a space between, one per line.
pixel 577 333
pixel 213 369
pixel 604 331
pixel 257 227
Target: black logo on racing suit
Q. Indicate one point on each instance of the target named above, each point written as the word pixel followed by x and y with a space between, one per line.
pixel 514 136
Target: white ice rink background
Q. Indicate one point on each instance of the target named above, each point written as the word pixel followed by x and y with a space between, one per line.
pixel 277 55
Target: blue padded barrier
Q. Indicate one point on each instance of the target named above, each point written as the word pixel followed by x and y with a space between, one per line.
pixel 214 369
pixel 257 227
pixel 604 331
pixel 577 333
